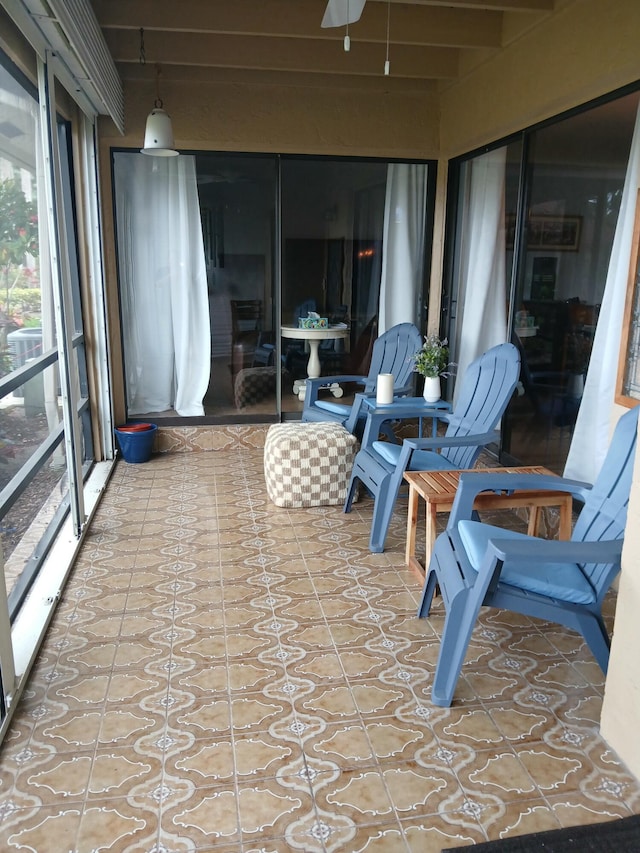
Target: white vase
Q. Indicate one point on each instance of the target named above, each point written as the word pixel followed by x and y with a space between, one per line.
pixel 431 391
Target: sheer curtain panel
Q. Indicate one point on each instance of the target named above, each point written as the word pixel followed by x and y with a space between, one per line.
pixel 593 426
pixel 483 276
pixel 403 244
pixel 163 284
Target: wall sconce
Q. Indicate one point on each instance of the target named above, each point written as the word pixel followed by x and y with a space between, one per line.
pixel 158 134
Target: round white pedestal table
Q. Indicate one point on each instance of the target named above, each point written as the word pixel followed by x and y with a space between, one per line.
pixel 313 338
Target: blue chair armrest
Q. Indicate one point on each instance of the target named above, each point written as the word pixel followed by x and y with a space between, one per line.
pixel 410 409
pixel 358 411
pixel 531 552
pixel 538 551
pixel 313 386
pixel 409 445
pixel 473 482
pixel 452 441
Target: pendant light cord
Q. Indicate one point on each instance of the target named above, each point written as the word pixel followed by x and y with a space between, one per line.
pixel 158 103
pixel 347 40
pixel 386 62
pixel 143 61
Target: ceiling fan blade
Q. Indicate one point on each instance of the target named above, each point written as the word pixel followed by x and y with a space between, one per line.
pixel 339 13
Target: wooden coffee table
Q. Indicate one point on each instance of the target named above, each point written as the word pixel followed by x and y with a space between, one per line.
pixel 438 489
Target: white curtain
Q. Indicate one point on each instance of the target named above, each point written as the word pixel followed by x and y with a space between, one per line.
pixel 592 431
pixel 482 292
pixel 163 284
pixel 403 244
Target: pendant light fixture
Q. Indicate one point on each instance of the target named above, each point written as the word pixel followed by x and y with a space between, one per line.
pixel 158 134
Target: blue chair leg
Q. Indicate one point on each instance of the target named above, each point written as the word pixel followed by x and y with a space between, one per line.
pixel 351 492
pixel 592 627
pixel 428 591
pixel 382 511
pixel 462 607
pixel 358 473
pixel 385 501
pixel 462 614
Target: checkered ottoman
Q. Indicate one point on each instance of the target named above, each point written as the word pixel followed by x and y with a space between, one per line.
pixel 254 384
pixel 308 464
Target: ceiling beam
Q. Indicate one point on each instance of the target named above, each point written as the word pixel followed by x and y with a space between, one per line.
pixel 282 54
pixel 409 24
pixel 430 41
pixel 198 76
pixel 495 5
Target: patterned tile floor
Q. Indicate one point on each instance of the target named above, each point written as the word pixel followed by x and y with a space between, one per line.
pixel 225 675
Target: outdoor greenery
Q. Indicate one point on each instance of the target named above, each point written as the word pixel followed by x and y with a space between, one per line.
pixel 27 300
pixel 20 297
pixel 432 359
pixel 18 238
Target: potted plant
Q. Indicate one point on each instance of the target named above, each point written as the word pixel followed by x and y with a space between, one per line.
pixel 431 361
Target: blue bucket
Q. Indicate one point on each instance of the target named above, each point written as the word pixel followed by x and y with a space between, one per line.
pixel 136 446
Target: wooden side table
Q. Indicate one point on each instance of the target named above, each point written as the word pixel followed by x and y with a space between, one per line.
pixel 438 489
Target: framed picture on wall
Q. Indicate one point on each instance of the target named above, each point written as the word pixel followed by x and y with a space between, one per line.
pixel 548 233
pixel 554 233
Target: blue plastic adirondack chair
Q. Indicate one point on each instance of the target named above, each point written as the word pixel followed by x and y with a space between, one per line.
pixel 478 564
pixel 487 387
pixel 392 353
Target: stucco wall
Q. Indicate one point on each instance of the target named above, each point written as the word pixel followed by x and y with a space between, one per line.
pixel 587 49
pixel 237 116
pixel 621 709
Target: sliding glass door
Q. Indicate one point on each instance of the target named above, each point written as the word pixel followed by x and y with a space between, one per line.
pixel 353 250
pixel 238 205
pixel 535 225
pixel 278 238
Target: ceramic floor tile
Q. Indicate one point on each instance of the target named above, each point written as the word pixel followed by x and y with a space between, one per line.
pixel 576 809
pixel 439 832
pixel 519 818
pixel 226 675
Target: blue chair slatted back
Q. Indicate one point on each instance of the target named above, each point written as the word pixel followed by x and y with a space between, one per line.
pixel 393 352
pixel 604 514
pixel 486 389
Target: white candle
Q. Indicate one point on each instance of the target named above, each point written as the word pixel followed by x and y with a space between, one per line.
pixel 384 389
